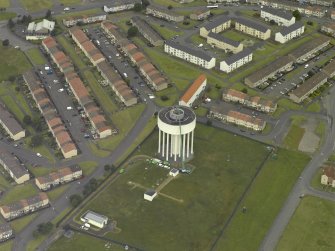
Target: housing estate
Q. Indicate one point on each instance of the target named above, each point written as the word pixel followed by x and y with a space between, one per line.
pixel 162 13
pixel 235 61
pixel 59 177
pixel 290 32
pixel 188 54
pixel 224 43
pixel 194 91
pixel 10 124
pixel 12 165
pixel 83 19
pixel 147 32
pixel 329 28
pixel 6 232
pixel 216 26
pixel 49 112
pixel 252 28
pixel 328 176
pixel 24 206
pixel 281 18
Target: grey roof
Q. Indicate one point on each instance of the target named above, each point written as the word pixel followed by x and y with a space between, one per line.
pixel 252 24
pixel 165 115
pixel 309 84
pixel 216 22
pixel 12 163
pixel 191 51
pixel 121 2
pixel 10 122
pixel 309 46
pixel 4 228
pixel 150 192
pixel 283 14
pixel 235 57
pixel 164 10
pixel 99 218
pixel 287 30
pixel 144 27
pixel 224 39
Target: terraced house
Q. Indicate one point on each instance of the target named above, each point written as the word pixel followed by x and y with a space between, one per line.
pixel 216 26
pixel 194 91
pixel 224 43
pixel 83 19
pixel 162 13
pixel 6 232
pixel 10 124
pixel 252 28
pixel 120 5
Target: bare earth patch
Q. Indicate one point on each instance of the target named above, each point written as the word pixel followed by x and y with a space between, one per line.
pixel 310 141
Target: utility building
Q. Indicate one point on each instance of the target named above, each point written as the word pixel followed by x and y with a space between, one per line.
pixel 176 132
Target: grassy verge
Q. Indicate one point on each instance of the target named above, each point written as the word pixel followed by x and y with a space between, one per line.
pixel 36 5
pixel 35 56
pixel 6 15
pixel 4 3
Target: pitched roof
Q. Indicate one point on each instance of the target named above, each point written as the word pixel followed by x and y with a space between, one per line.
pixel 189 50
pixel 193 88
pixel 251 24
pixel 283 14
pixel 287 30
pixel 235 57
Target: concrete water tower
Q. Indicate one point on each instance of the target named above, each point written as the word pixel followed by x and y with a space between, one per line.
pixel 176 132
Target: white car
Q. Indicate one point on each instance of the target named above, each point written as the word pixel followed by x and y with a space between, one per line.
pixel 38 155
pixel 69 108
pixel 60 90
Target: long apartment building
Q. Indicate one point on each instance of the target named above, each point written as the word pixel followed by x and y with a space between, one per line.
pixel 6 232
pixel 235 61
pixel 12 165
pixel 254 102
pixel 329 28
pixel 83 19
pixel 10 124
pixel 125 94
pixel 288 33
pixel 313 83
pixel 61 176
pixel 200 14
pixel 280 17
pixel 252 28
pixel 94 114
pixel 86 45
pixel 216 26
pixel 194 91
pixel 237 118
pixel 224 43
pixel 153 76
pixel 24 206
pixel 164 13
pixel 147 31
pixel 49 112
pixel 188 54
pixel 120 5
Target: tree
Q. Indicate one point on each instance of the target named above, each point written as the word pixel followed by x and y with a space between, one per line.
pixel 132 31
pixel 245 90
pixel 107 168
pixel 36 140
pixel 43 229
pixel 17 88
pixel 11 23
pixel 48 14
pixel 27 120
pixel 37 124
pixel 5 42
pixel 145 3
pixel 137 7
pixel 170 7
pixel 297 15
pixel 75 200
pixel 164 98
pixel 310 23
pixel 29 18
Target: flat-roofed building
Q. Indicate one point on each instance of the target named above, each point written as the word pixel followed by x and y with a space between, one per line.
pixel 61 176
pixel 162 13
pixel 216 26
pixel 147 31
pixel 194 91
pixel 290 32
pixel 200 14
pixel 329 28
pixel 252 28
pixel 188 54
pixel 13 166
pixel 6 232
pixel 95 219
pixel 237 118
pixel 83 19
pixel 328 176
pixel 120 5
pixel 10 124
pixel 254 102
pixel 24 206
pixel 224 43
pixel 150 195
pixel 259 77
pixel 235 61
pixel 39 30
pixel 282 18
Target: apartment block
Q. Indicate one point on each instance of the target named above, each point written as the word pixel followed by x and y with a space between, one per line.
pixel 288 33
pixel 24 206
pixel 147 31
pixel 83 19
pixel 163 13
pixel 235 61
pixel 200 14
pixel 194 91
pixel 193 56
pixel 216 26
pixel 281 18
pixel 252 28
pixel 6 232
pixel 329 28
pixel 12 165
pixel 224 43
pixel 120 5
pixel 10 124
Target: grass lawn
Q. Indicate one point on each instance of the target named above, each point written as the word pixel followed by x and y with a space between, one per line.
pixel 88 167
pixel 6 15
pixel 82 242
pixel 208 195
pixel 36 56
pixel 311 227
pixel 236 36
pixel 36 5
pixel 56 192
pixel 70 2
pixel 201 111
pixel 295 134
pixel 165 32
pixel 20 223
pixel 16 63
pixel 4 3
pixel 19 192
pixel 44 151
pixel 6 245
pixel 263 202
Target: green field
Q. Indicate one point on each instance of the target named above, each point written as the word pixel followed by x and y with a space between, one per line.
pixel 36 5
pixel 311 228
pixel 36 56
pixel 15 63
pixel 70 2
pixel 295 134
pixel 263 201
pixel 165 32
pixel 19 192
pixel 4 3
pixel 237 36
pixel 7 15
pixel 201 202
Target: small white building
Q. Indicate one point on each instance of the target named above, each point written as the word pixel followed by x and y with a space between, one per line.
pixel 174 172
pixel 280 17
pixel 95 219
pixel 150 195
pixel 39 30
pixel 290 32
pixel 193 92
pixel 235 61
